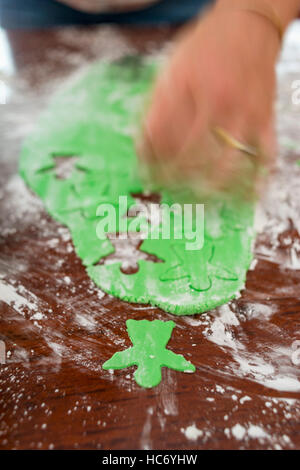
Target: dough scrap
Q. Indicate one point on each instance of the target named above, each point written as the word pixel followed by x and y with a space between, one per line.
pixel 149 353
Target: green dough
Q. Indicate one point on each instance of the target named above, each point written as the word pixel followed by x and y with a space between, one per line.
pixel 149 353
pixel 91 122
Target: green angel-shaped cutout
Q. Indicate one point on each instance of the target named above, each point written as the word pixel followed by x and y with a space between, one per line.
pixel 149 353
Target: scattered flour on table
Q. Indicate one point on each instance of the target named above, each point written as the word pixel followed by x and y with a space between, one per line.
pixel 19 208
pixel 253 432
pixel 238 431
pixel 256 432
pixel 271 366
pixel 167 395
pixel 259 433
pixel 192 432
pixel 19 298
pixel 146 442
pixel 273 219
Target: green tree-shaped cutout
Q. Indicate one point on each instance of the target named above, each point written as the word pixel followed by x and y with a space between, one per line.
pixel 149 353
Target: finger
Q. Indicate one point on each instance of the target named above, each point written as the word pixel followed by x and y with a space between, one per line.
pixel 170 116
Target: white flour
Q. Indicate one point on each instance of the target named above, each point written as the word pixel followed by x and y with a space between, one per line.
pixel 192 432
pixel 272 367
pixel 27 301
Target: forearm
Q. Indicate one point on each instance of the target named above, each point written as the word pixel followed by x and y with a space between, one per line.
pixel 89 6
pixel 286 10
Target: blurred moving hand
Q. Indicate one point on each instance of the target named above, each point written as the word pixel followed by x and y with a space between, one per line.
pixel 221 73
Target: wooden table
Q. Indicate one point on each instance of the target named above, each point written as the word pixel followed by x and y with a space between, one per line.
pixel 58 328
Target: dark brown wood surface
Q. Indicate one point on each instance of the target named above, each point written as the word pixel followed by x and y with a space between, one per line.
pixel 58 328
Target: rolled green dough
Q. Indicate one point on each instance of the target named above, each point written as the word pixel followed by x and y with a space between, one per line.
pixel 92 120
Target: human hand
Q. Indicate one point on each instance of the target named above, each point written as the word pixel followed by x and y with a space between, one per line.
pixel 221 74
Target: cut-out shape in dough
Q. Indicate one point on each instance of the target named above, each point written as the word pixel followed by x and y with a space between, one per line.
pixel 64 166
pixel 149 353
pixel 105 104
pixel 127 252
